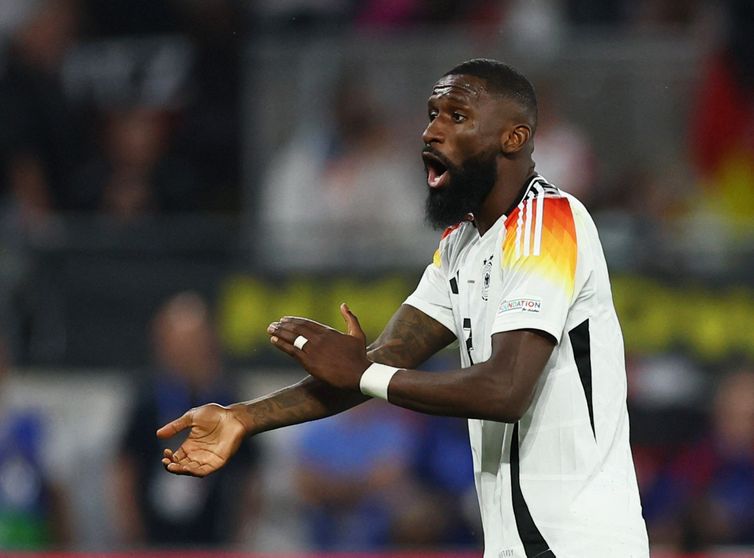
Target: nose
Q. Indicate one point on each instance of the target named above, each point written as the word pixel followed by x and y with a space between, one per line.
pixel 432 133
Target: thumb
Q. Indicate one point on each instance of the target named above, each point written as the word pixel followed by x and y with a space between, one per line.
pixel 353 328
pixel 176 426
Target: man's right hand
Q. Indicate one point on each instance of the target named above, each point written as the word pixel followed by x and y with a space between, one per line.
pixel 216 433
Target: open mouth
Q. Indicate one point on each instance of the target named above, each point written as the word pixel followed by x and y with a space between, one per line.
pixel 437 170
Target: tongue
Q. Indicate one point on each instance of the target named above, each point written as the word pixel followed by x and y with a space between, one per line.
pixel 433 179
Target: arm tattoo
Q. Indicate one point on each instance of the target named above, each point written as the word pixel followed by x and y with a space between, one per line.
pixel 410 338
pixel 307 400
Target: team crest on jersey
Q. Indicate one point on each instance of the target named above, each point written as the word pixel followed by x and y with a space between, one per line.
pixel 533 305
pixel 486 276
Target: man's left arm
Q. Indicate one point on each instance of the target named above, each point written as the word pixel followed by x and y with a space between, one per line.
pixel 499 389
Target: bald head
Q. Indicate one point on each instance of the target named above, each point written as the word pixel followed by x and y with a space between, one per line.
pixel 184 338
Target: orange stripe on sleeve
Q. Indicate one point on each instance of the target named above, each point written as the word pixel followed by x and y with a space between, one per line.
pixel 542 240
pixel 437 259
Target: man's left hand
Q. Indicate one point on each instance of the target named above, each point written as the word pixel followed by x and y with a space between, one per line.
pixel 329 355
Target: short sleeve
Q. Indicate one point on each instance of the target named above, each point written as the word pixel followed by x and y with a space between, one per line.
pixel 432 294
pixel 538 267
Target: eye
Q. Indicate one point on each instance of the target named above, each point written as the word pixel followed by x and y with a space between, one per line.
pixel 458 117
pixel 432 115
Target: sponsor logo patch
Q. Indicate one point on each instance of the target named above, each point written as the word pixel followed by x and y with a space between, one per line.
pixel 520 305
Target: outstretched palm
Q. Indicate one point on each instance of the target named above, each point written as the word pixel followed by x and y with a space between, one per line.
pixel 216 433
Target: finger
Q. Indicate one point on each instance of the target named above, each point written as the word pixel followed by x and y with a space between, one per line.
pixel 179 455
pixel 191 470
pixel 306 323
pixel 179 469
pixel 173 428
pixel 180 463
pixel 286 333
pixel 167 458
pixel 353 327
pixel 286 347
pixel 289 331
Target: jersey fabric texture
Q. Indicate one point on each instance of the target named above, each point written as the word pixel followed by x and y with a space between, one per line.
pixel 560 482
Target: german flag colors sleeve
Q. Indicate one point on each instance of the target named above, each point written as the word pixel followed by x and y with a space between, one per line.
pixel 538 266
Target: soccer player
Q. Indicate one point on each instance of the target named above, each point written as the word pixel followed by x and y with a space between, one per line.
pixel 521 281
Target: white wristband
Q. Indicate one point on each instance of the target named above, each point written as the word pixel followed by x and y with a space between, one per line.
pixel 375 379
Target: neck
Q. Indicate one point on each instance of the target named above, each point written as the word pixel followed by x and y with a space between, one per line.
pixel 504 194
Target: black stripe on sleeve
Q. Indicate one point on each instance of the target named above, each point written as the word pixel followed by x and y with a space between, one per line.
pixel 534 543
pixel 580 344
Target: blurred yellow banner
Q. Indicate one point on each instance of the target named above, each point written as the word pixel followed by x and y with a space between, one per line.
pixel 709 322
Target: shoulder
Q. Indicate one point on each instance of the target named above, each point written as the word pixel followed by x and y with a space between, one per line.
pixel 448 231
pixel 547 208
pixel 542 213
pixel 451 238
pixel 541 232
pixel 452 235
pixel 553 192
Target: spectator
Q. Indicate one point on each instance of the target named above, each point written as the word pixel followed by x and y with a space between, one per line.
pixel 209 128
pixel 32 504
pixel 353 476
pixel 705 496
pixel 136 176
pixel 42 137
pixel 153 508
pixel 341 192
pixel 448 514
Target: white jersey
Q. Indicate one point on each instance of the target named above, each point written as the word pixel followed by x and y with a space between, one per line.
pixel 560 482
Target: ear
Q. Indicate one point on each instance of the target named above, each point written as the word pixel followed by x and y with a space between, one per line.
pixel 515 138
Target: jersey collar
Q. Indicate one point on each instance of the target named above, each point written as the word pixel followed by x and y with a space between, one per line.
pixel 523 193
pixel 525 189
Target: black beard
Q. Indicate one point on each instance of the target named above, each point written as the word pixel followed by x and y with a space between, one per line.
pixel 465 192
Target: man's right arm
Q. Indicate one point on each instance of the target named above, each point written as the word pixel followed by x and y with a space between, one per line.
pixel 216 432
pixel 409 339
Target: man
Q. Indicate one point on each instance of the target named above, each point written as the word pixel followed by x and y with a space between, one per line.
pixel 520 279
pixel 160 510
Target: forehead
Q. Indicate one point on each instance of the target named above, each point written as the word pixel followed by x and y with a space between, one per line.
pixel 459 87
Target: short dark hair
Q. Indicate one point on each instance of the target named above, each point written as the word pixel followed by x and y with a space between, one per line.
pixel 502 80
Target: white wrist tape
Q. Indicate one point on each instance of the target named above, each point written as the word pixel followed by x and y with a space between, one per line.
pixel 375 379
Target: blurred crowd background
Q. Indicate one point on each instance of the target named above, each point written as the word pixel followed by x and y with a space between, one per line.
pixel 176 174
